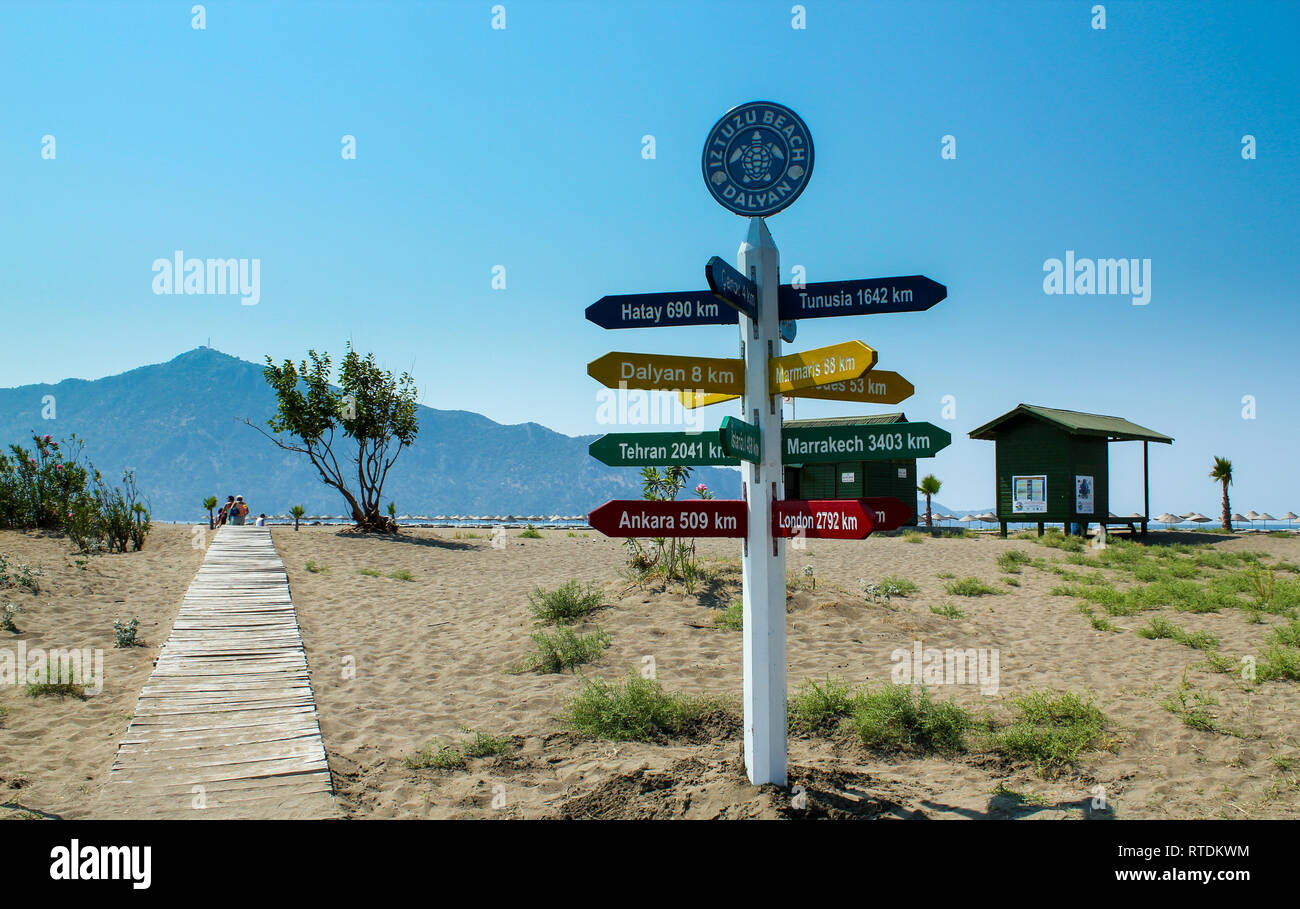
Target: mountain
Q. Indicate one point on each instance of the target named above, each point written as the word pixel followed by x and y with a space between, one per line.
pixel 174 424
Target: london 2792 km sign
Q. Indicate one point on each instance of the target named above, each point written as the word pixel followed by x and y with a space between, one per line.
pixel 757 159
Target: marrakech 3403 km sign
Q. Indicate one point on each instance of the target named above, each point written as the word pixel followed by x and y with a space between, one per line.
pixel 757 160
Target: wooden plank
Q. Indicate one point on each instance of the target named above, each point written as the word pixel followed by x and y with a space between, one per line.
pixel 229 705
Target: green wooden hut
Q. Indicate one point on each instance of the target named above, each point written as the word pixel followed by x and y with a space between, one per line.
pixel 854 479
pixel 1053 466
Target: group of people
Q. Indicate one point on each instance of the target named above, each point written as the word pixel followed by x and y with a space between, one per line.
pixel 236 511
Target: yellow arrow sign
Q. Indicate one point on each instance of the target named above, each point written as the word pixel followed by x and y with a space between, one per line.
pixel 821 366
pixel 879 386
pixel 657 372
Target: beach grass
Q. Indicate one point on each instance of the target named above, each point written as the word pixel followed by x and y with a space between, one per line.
pixel 1050 729
pixel 949 611
pixel 571 602
pixel 635 708
pixel 563 649
pixel 819 707
pixel 731 618
pixel 970 587
pixel 903 717
pixel 1162 628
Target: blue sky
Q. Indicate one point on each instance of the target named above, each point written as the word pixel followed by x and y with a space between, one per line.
pixel 521 147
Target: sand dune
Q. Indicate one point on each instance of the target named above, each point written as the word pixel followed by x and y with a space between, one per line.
pixel 397 664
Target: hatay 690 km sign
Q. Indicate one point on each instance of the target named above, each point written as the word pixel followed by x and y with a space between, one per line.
pixel 757 159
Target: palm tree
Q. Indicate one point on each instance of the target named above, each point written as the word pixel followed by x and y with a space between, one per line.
pixel 210 503
pixel 297 512
pixel 929 487
pixel 1223 473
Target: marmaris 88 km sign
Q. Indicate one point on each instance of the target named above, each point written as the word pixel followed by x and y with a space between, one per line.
pixel 757 160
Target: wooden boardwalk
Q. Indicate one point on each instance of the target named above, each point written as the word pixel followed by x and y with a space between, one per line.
pixel 226 725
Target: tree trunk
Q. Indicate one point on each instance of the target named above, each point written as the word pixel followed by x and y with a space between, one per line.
pixel 929 522
pixel 1227 511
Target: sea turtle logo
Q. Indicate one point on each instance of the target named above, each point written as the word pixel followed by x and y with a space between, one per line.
pixel 758 158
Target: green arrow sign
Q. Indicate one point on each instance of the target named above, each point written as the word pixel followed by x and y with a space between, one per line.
pixel 741 439
pixel 655 449
pixel 878 442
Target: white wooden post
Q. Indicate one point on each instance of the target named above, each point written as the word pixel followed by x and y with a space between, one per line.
pixel 764 557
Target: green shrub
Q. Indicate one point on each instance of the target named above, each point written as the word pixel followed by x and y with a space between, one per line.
pixel 899 716
pixel 1050 730
pixel 565 605
pixel 124 632
pixel 821 707
pixel 1163 628
pixel 732 618
pixel 530 533
pixel 440 756
pixel 948 610
pixel 401 574
pixel 970 587
pixel 635 708
pixel 1011 560
pixel 563 650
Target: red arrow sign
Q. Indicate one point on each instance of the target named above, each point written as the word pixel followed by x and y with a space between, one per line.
pixel 689 518
pixel 830 519
pixel 889 513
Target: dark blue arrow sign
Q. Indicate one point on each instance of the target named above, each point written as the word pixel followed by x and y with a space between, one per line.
pixel 913 293
pixel 691 307
pixel 731 287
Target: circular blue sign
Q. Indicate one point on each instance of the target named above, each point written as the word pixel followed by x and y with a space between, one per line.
pixel 757 159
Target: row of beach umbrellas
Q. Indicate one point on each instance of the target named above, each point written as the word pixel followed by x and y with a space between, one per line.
pixel 1249 517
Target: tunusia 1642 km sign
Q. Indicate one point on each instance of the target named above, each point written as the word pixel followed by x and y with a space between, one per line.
pixel 660 372
pixel 687 518
pixel 657 449
pixel 879 442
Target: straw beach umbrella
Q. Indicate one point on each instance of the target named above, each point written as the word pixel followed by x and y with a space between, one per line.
pixel 1252 516
pixel 1168 519
pixel 1289 517
pixel 1266 517
pixel 1197 517
pixel 1239 518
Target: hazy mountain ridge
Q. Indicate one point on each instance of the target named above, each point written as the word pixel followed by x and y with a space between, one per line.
pixel 175 424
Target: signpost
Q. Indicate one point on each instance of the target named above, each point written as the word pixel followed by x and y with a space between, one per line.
pixel 913 293
pixel 836 363
pixel 655 449
pixel 687 518
pixel 872 442
pixel 657 372
pixel 756 161
pixel 692 307
pixel 731 287
pixel 827 519
pixel 741 440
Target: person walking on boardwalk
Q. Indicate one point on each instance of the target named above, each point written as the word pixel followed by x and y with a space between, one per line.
pixel 238 511
pixel 224 515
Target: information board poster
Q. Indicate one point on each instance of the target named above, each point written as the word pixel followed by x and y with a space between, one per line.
pixel 1029 495
pixel 1083 495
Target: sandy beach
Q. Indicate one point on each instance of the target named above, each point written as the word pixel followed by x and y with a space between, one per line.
pixel 397 664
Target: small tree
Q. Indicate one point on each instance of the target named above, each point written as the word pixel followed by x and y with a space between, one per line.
pixel 352 432
pixel 210 503
pixel 297 512
pixel 1223 473
pixel 929 487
